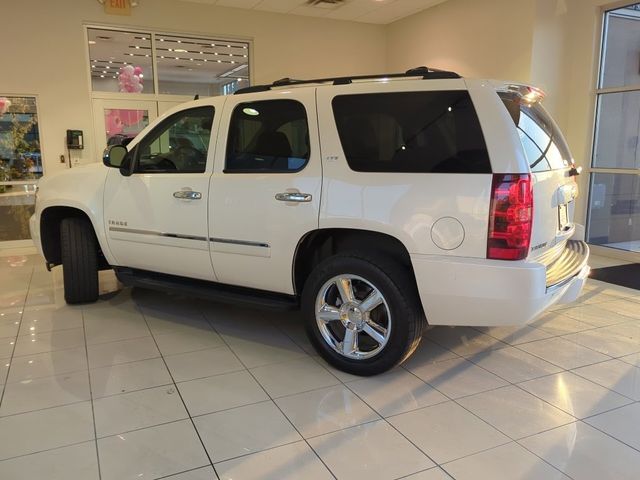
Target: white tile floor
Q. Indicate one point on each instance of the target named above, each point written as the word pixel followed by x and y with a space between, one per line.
pixel 147 385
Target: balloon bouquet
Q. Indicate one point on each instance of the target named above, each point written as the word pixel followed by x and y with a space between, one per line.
pixel 130 79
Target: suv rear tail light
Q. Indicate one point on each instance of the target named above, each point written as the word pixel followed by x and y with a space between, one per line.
pixel 510 217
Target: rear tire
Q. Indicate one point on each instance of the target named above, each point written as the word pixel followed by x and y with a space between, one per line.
pixel 79 260
pixel 398 320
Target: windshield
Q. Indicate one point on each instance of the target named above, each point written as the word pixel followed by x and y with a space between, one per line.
pixel 543 143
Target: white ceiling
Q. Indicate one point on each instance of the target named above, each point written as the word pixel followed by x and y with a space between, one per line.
pixel 368 11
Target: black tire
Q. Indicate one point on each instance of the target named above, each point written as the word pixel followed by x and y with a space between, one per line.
pixel 79 260
pixel 396 284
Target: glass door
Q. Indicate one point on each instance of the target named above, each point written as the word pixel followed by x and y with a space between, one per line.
pixel 20 168
pixel 119 121
pixel 614 196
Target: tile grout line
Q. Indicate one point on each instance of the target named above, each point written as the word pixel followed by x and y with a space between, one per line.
pixel 270 398
pixel 184 405
pixel 93 412
pixel 15 341
pixel 482 419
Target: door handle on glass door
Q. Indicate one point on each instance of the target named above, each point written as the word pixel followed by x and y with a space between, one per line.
pixel 187 195
pixel 293 197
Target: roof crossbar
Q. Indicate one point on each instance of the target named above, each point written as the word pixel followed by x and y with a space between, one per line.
pixel 425 72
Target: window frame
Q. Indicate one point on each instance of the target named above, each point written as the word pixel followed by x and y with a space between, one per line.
pixel 162 127
pixel 227 170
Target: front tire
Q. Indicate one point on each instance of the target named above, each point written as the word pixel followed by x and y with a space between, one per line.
pixel 362 312
pixel 79 260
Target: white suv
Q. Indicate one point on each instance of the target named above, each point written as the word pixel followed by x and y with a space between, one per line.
pixel 377 205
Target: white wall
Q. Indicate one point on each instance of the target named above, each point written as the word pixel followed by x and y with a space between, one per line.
pixel 44 52
pixel 484 39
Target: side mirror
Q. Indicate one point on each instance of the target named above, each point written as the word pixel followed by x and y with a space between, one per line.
pixel 114 156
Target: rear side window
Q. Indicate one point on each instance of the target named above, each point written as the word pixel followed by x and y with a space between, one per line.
pixel 269 136
pixel 543 143
pixel 411 132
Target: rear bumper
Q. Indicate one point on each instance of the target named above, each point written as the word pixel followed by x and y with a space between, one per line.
pixel 480 292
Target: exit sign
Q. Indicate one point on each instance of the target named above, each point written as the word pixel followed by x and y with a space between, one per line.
pixel 117 7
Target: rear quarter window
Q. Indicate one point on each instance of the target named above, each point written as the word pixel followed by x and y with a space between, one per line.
pixel 542 141
pixel 411 132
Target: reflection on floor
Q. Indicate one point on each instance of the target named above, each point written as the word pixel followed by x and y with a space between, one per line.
pixel 633 246
pixel 145 385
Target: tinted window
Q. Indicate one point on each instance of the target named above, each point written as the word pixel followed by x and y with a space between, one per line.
pixel 541 139
pixel 268 136
pixel 411 132
pixel 178 144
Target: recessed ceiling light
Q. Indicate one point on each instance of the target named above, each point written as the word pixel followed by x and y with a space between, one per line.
pixel 107 66
pixel 177 58
pixel 101 76
pixel 180 50
pixel 229 46
pixel 162 39
pixel 232 61
pixel 93 66
pixel 219 61
pixel 161 56
pixel 205 59
pixel 179 41
pixel 147 55
pixel 239 79
pixel 138 46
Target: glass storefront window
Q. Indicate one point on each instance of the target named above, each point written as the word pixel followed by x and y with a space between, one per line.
pixel 20 165
pixel 120 61
pixel 198 66
pixel 615 211
pixel 620 48
pixel 618 126
pixel 20 157
pixel 614 196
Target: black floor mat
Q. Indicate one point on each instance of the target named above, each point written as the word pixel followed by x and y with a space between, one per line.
pixel 623 275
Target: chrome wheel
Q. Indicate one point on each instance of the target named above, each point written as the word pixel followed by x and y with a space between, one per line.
pixel 353 317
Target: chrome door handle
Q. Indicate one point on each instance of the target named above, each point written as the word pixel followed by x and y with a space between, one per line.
pixel 187 195
pixel 293 197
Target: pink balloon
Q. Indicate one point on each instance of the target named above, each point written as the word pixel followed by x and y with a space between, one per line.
pixel 139 88
pixel 137 70
pixel 128 69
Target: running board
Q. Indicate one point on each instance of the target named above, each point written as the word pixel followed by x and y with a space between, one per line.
pixel 216 292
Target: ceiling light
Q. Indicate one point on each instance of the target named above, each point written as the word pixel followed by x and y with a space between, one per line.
pixel 229 46
pixel 216 53
pixel 161 56
pixel 93 66
pixel 201 53
pixel 179 41
pixel 180 50
pixel 171 49
pixel 177 58
pixel 101 76
pixel 205 59
pixel 239 79
pixel 138 46
pixel 231 54
pixel 162 39
pixel 147 55
pixel 191 59
pixel 219 61
pixel 244 56
pixel 144 38
pixel 131 54
pixel 110 61
pixel 213 44
pixel 92 42
pixel 107 66
pixel 232 61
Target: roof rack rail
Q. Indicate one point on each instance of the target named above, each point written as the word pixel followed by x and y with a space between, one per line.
pixel 426 73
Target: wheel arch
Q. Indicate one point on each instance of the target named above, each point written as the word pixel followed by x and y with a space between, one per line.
pixel 319 244
pixel 50 220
